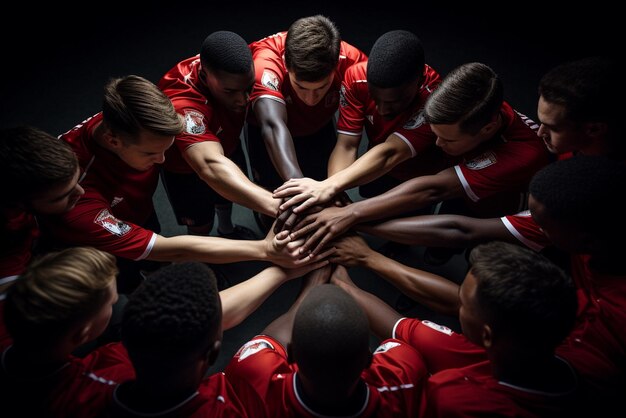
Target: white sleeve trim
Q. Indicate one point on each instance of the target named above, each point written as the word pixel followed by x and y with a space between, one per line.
pixel 269 96
pixel 8 279
pixel 402 137
pixel 340 131
pixel 148 247
pixel 393 331
pixel 530 244
pixel 468 190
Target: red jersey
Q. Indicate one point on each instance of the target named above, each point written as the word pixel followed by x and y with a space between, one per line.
pixel 505 163
pixel 205 119
pixel 394 380
pixel 79 388
pixel 214 398
pixel 597 345
pixel 525 229
pixel 117 199
pixel 272 82
pixel 19 233
pixel 357 110
pixel 440 347
pixel 472 391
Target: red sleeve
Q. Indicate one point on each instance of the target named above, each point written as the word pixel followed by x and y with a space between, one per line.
pixel 269 68
pixel 440 347
pixel 92 222
pixel 353 97
pixel 525 229
pixel 111 362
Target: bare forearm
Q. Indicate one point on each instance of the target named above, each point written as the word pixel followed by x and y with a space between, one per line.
pixel 281 150
pixel 206 249
pixel 341 157
pixel 431 290
pixel 239 301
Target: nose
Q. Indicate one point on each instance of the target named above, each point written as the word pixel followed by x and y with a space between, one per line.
pixel 542 132
pixel 160 159
pixel 242 99
pixel 439 142
pixel 78 190
pixel 384 109
pixel 310 97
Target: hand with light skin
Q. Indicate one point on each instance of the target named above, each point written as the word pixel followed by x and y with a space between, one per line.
pixel 283 250
pixel 304 193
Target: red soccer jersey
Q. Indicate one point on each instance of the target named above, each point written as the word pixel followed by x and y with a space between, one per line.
pixel 472 391
pixel 205 119
pixel 394 379
pixel 505 163
pixel 525 229
pixel 214 398
pixel 18 237
pixel 440 347
pixel 79 388
pixel 597 345
pixel 358 110
pixel 272 81
pixel 117 198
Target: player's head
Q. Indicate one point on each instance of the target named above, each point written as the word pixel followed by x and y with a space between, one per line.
pixel 227 69
pixel 63 297
pixel 330 343
pixel 464 110
pixel 395 69
pixel 172 322
pixel 576 107
pixel 311 56
pixel 39 171
pixel 140 121
pixel 571 200
pixel 516 299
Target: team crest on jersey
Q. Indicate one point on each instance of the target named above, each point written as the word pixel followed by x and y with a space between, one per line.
pixel 270 80
pixel 194 122
pixel 482 161
pixel 342 97
pixel 386 347
pixel 437 327
pixel 116 200
pixel 111 223
pixel 416 120
pixel 252 347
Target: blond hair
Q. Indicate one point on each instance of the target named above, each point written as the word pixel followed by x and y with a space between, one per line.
pixel 58 290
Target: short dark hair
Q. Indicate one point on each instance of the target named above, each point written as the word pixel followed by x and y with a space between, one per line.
pixel 585 88
pixel 173 315
pixel 330 335
pixel 523 294
pixel 132 103
pixel 397 57
pixel 470 95
pixel 312 48
pixel 32 161
pixel 579 190
pixel 226 51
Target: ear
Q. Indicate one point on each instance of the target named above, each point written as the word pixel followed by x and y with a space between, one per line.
pixel 111 139
pixel 213 352
pixel 487 336
pixel 596 129
pixel 81 335
pixel 490 128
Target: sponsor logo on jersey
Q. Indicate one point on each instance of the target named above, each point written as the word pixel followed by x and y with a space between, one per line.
pixel 386 347
pixel 194 122
pixel 111 223
pixel 116 200
pixel 415 121
pixel 483 160
pixel 270 80
pixel 437 327
pixel 342 97
pixel 252 347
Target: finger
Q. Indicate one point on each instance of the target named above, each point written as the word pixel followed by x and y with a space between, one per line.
pixel 310 202
pixel 289 183
pixel 294 201
pixel 325 240
pixel 283 238
pixel 325 253
pixel 291 221
pixel 302 232
pixel 279 225
pixel 312 241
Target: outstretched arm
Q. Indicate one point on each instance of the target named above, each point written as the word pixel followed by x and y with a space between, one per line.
pixel 305 193
pixel 224 176
pixel 431 290
pixel 381 316
pixel 440 230
pixel 239 301
pixel 282 327
pixel 272 116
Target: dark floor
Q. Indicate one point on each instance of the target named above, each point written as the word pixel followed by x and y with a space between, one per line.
pixel 53 73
